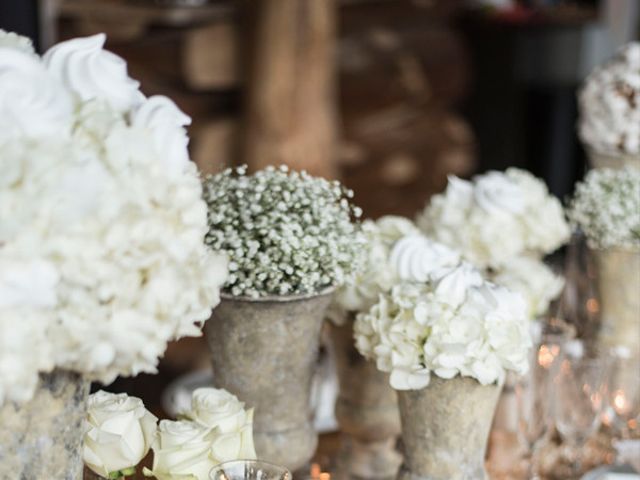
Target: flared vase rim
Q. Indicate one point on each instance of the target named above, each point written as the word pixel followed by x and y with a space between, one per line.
pixel 278 298
pixel 241 461
pixel 612 153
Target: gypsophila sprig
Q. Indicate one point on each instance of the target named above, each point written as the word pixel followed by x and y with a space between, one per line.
pixel 606 207
pixel 285 232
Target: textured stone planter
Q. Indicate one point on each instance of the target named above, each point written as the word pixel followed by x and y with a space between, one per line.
pixel 367 411
pixel 42 438
pixel 445 428
pixel 618 281
pixel 265 351
pixel 612 160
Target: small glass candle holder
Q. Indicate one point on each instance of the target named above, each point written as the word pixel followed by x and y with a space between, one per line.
pixel 249 470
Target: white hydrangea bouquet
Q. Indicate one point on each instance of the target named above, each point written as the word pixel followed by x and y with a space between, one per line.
pixel 120 432
pixel 503 223
pixel 606 208
pixel 102 224
pixel 285 232
pixel 609 121
pixel 455 324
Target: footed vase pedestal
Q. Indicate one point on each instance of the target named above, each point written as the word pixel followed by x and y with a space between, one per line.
pixel 445 429
pixel 265 352
pixel 367 412
pixel 42 438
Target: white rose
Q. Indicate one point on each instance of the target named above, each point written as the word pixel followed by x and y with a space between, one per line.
pixel 165 122
pixel 32 102
pixel 120 433
pixel 92 73
pixel 416 258
pixel 217 408
pixel 537 283
pixel 183 450
pixel 497 194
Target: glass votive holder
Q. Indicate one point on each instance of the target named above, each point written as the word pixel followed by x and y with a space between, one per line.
pixel 249 470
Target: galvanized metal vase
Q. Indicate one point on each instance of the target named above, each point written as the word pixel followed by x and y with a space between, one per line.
pixel 618 281
pixel 265 351
pixel 42 439
pixel 366 410
pixel 445 429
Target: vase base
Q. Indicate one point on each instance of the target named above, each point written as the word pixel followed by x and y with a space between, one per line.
pixel 368 460
pixel 405 474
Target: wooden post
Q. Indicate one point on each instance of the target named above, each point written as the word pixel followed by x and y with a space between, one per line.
pixel 290 103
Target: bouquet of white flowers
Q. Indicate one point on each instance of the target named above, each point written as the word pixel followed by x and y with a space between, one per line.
pixel 606 207
pixel 457 324
pixel 102 224
pixel 496 217
pixel 286 233
pixel 120 432
pixel 609 107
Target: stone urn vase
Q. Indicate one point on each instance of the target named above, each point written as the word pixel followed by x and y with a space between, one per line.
pixel 615 160
pixel 618 287
pixel 366 410
pixel 265 351
pixel 42 438
pixel 445 429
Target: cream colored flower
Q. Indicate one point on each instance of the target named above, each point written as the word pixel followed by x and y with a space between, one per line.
pixel 537 283
pixel 119 433
pixel 457 324
pixel 496 217
pixel 183 451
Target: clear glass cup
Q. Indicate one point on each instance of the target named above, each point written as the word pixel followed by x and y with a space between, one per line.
pixel 622 412
pixel 249 470
pixel 579 390
pixel 532 392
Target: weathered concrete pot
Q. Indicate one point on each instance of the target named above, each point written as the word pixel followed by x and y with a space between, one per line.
pixel 445 429
pixel 613 160
pixel 618 281
pixel 265 352
pixel 42 439
pixel 366 410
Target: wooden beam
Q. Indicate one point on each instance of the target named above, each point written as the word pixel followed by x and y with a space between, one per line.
pixel 290 103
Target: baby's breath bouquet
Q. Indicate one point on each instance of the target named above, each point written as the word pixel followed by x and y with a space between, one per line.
pixel 285 232
pixel 606 207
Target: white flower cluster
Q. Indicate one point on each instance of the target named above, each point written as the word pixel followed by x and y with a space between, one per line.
pixel 533 279
pixel 496 217
pixel 377 274
pixel 120 432
pixel 218 429
pixel 457 324
pixel 286 233
pixel 610 104
pixel 102 222
pixel 606 207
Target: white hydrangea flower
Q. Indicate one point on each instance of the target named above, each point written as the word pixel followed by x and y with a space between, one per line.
pixel 17 42
pixel 286 233
pixel 610 104
pixel 113 238
pixel 377 274
pixel 496 217
pixel 537 283
pixel 457 324
pixel 606 207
